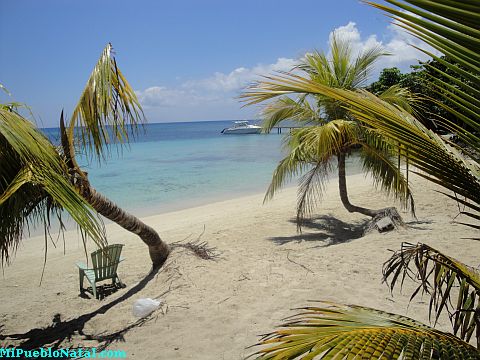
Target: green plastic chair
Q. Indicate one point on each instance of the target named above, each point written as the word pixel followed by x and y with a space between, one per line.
pixel 104 266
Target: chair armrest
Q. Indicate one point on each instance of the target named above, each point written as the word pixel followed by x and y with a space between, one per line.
pixel 82 266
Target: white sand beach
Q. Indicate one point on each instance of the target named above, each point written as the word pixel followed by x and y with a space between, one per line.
pixel 216 309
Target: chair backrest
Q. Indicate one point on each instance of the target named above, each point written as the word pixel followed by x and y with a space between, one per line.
pixel 105 261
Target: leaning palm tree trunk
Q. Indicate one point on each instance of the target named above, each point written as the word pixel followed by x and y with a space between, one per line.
pixel 158 249
pixel 376 215
pixel 107 113
pixel 342 186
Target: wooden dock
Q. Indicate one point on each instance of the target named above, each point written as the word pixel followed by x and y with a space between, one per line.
pixel 280 128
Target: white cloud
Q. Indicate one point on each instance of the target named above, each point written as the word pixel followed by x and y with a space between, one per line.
pixel 161 96
pixel 398 45
pixel 214 97
pixel 210 98
pixel 348 33
pixel 240 77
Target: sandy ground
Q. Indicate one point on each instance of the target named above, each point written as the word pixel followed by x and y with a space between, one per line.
pixel 216 309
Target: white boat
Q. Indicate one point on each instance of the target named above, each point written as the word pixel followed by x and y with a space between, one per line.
pixel 242 127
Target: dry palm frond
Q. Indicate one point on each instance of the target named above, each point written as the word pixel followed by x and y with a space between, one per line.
pixel 108 111
pixel 452 285
pixel 198 247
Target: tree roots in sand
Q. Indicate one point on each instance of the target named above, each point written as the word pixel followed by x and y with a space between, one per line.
pixel 391 213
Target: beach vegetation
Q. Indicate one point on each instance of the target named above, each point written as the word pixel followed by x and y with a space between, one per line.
pixel 340 331
pixel 452 286
pixel 433 107
pixel 34 186
pixel 455 168
pixel 106 117
pixel 337 331
pixel 326 330
pixel 329 131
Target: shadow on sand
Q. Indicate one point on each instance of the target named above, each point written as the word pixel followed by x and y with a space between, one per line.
pixel 60 330
pixel 103 291
pixel 328 230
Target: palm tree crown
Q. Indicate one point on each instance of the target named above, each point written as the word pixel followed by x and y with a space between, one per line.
pixel 37 181
pixel 330 130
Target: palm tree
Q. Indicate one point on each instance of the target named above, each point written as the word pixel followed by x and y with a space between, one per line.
pixel 332 131
pixel 108 113
pixel 34 185
pixel 439 161
pixel 452 27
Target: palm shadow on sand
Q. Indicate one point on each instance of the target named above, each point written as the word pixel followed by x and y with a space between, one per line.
pixel 60 330
pixel 327 230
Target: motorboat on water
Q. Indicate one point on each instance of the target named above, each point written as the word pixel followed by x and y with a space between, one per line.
pixel 242 127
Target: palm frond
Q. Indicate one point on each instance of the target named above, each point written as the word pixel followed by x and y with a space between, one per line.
pixel 310 190
pixel 294 164
pixel 440 162
pixel 399 97
pixel 377 159
pixel 361 70
pixel 34 185
pixel 329 139
pixel 311 149
pixel 335 331
pixel 443 278
pixel 447 28
pixel 318 66
pixel 108 111
pixel 322 144
pixel 450 27
pixel 286 108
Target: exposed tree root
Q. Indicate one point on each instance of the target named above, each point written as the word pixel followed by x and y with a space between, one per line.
pixel 391 213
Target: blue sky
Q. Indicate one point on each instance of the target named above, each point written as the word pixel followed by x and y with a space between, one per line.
pixel 187 60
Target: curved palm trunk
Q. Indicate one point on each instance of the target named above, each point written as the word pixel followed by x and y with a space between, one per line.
pixel 157 248
pixel 342 186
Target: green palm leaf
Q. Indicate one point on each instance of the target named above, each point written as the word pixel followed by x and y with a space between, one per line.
pixel 440 276
pixel 294 164
pixel 329 129
pixel 335 331
pixel 377 160
pixel 108 111
pixel 286 108
pixel 319 144
pixel 438 161
pixel 450 27
pixel 34 185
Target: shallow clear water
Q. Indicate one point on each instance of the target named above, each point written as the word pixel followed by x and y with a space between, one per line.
pixel 178 165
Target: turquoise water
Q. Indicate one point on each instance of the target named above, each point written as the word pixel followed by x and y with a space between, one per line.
pixel 178 165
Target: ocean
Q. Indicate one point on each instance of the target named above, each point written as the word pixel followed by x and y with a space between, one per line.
pixel 172 166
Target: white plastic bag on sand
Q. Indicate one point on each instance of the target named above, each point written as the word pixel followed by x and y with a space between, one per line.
pixel 143 307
